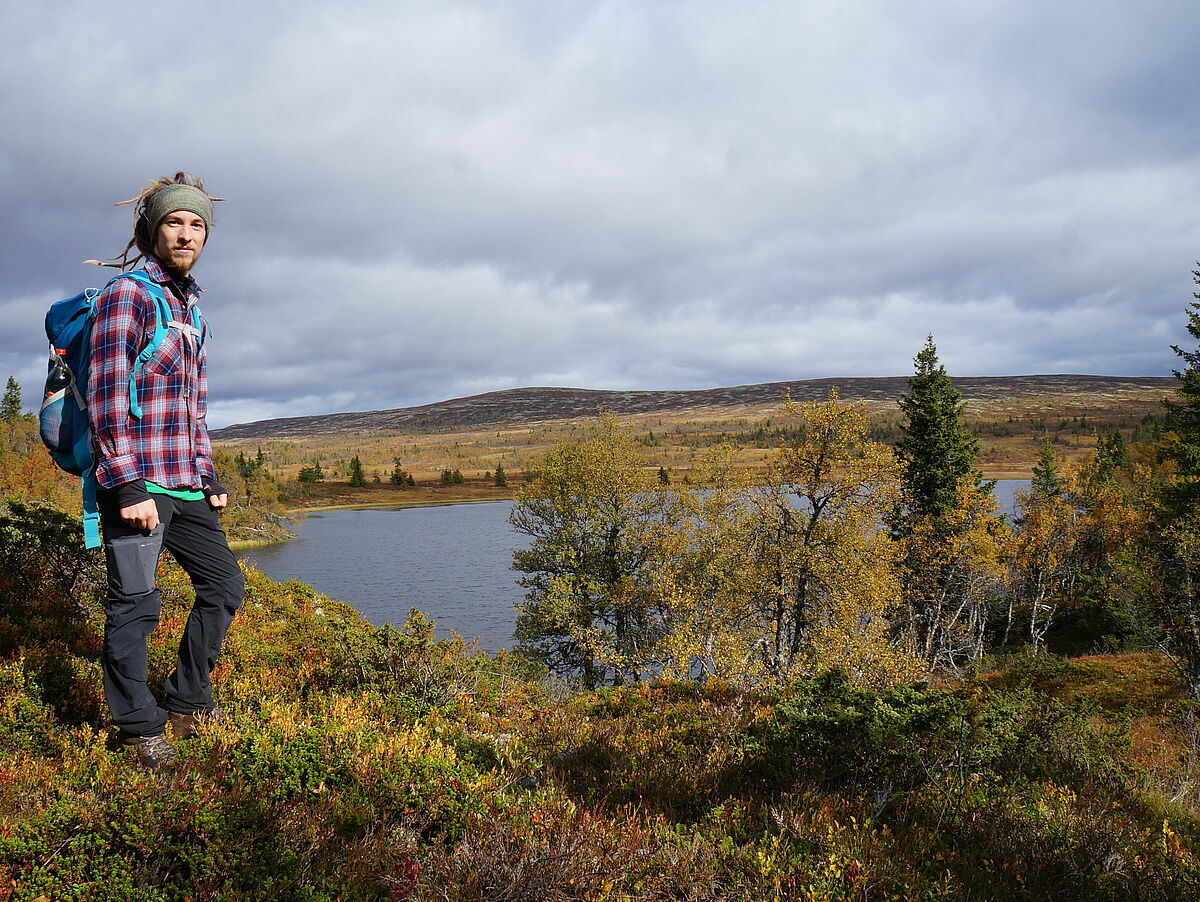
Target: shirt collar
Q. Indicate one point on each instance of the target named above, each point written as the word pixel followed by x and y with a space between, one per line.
pixel 160 274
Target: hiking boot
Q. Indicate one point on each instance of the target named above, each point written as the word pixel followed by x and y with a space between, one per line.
pixel 184 726
pixel 149 751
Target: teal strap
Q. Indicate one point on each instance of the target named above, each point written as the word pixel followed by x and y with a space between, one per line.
pixel 91 513
pixel 162 316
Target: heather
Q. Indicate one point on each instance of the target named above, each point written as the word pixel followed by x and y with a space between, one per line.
pixel 384 763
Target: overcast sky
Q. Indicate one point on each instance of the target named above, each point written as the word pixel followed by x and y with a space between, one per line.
pixel 431 200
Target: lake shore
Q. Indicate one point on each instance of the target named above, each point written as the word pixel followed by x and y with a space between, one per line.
pixel 340 495
pixel 392 505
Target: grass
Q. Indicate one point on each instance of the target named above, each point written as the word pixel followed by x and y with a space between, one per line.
pixel 1009 430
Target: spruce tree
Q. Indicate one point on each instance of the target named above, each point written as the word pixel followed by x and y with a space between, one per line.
pixel 1111 455
pixel 1172 550
pixel 1047 480
pixel 311 475
pixel 937 451
pixel 10 407
pixel 501 479
pixel 1181 425
pixel 399 474
pixel 358 479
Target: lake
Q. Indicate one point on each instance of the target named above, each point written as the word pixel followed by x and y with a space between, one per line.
pixel 452 561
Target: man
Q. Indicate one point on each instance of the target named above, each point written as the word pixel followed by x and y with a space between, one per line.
pixel 155 473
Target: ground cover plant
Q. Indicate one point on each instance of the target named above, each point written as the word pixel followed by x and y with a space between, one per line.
pixel 382 763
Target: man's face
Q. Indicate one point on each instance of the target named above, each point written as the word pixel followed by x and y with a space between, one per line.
pixel 179 240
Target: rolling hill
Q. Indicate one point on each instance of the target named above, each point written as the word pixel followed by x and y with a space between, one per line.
pixel 524 406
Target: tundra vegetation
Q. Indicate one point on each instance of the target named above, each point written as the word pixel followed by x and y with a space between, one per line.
pixel 809 685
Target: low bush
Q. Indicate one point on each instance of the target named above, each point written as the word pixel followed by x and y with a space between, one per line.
pixel 380 763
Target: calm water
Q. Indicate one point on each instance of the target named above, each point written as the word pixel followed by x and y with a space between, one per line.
pixel 453 562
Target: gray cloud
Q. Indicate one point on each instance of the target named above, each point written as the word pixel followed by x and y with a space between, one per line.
pixel 430 200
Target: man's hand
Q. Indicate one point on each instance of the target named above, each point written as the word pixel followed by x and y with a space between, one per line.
pixel 143 515
pixel 218 501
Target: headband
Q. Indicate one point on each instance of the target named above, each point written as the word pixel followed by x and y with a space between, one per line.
pixel 178 197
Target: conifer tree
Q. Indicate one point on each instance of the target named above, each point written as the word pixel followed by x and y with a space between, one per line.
pixel 1171 565
pixel 1181 426
pixel 1047 477
pixel 1111 454
pixel 937 451
pixel 311 475
pixel 947 525
pixel 501 480
pixel 10 406
pixel 399 474
pixel 358 479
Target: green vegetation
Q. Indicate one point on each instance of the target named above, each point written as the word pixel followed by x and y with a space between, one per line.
pixel 937 451
pixel 1168 568
pixel 381 764
pixel 313 474
pixel 358 478
pixel 10 405
pixel 400 476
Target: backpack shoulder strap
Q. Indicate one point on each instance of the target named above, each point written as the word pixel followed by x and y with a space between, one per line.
pixel 162 316
pixel 91 512
pixel 200 324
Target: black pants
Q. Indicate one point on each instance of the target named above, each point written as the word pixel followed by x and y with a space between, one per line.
pixel 191 532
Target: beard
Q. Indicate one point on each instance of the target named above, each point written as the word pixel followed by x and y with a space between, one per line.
pixel 180 263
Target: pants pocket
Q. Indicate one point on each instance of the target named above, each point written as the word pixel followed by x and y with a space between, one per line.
pixel 132 561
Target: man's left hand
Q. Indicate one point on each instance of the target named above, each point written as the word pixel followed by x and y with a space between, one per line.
pixel 217 496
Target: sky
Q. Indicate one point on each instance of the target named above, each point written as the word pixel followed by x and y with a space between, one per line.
pixel 428 200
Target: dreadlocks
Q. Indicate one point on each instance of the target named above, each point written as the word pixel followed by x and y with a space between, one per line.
pixel 146 218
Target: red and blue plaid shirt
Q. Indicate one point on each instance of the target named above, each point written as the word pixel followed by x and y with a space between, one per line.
pixel 169 445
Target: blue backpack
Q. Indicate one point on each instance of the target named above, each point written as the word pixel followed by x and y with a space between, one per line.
pixel 65 427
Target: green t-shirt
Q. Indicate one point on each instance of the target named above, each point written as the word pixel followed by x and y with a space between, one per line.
pixel 181 494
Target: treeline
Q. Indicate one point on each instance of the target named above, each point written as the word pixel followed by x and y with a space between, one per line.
pixel 888 562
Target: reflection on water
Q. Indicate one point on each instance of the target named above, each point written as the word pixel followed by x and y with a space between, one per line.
pixel 453 562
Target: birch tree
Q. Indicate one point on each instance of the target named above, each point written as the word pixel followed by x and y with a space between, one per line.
pixel 585 514
pixel 825 572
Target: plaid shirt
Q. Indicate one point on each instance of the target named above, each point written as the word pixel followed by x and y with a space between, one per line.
pixel 169 445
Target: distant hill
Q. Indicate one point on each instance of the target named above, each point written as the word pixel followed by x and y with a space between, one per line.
pixel 523 406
